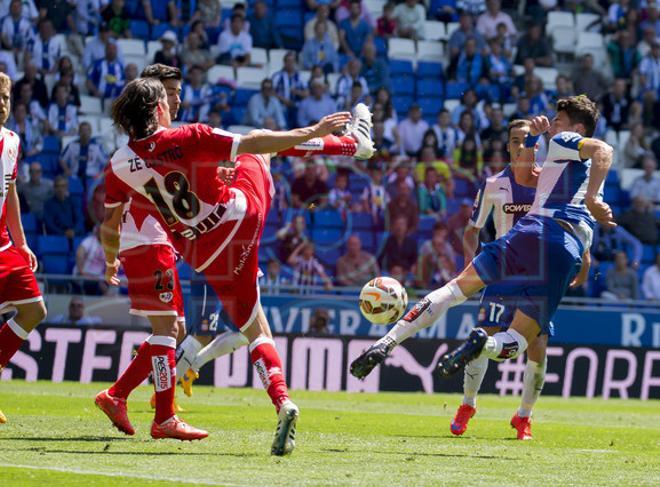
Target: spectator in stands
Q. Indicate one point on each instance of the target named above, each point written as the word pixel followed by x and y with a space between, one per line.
pixel 621 280
pixel 436 265
pixel 343 12
pixel 356 266
pixel 322 15
pixel 44 49
pixel 340 197
pixel 195 96
pixel 374 69
pixel 262 28
pixel 159 11
pixel 464 32
pixel 289 87
pixel 468 160
pixel 400 248
pixel 589 81
pixel 27 129
pixel 496 130
pixel 431 195
pixel 467 129
pixel 265 105
pixel 635 147
pixel 309 189
pixel 237 9
pixel 403 205
pixel 616 15
pixel 62 214
pixel 195 54
pixel 488 21
pixel 471 65
pixel 386 23
pixel 76 315
pixel 374 197
pixel 291 236
pixel 647 186
pixel 234 44
pixel 607 242
pixel 83 157
pixel 446 135
pixel 318 323
pixel 350 77
pixel 130 72
pixel 500 70
pixel 473 7
pixel 411 131
pixel 319 50
pixel 106 78
pixel 616 104
pixel 410 16
pixel 168 54
pixel 648 39
pixel 95 47
pixel 37 190
pixel 640 220
pixel 117 17
pixel 90 264
pixel 273 281
pixel 523 108
pixel 533 44
pixel 66 75
pixel 624 58
pixel 35 110
pixel 308 272
pixel 15 29
pixel 429 158
pixel 209 12
pixel 62 114
pixel 651 280
pixel 354 31
pixel 316 106
pixel 563 89
pixel 649 70
pixel 538 100
pixel 457 223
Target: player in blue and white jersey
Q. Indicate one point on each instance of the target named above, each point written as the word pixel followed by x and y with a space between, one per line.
pixel 538 258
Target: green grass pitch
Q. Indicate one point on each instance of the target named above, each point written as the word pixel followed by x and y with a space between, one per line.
pixel 56 436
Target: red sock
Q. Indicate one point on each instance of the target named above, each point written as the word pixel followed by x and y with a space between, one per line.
pixel 163 363
pixel 330 145
pixel 268 365
pixel 11 339
pixel 135 373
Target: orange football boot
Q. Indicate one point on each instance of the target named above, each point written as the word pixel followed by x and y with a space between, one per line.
pixel 177 429
pixel 523 426
pixel 459 424
pixel 115 409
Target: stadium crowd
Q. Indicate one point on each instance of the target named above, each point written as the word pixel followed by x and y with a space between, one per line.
pixel 442 77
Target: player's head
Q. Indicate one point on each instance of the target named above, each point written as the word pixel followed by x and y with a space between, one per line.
pixel 575 114
pixel 171 78
pixel 5 98
pixel 141 107
pixel 517 131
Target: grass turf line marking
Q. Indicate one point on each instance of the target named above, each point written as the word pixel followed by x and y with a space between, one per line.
pixel 78 471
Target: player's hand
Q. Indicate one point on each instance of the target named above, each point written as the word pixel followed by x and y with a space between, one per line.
pixel 601 212
pixel 29 256
pixel 331 123
pixel 539 126
pixel 583 275
pixel 226 174
pixel 112 273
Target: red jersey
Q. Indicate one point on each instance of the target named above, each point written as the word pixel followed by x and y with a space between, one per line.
pixel 173 175
pixel 10 144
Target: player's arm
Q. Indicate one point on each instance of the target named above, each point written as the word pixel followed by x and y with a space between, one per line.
pixel 600 154
pixel 110 232
pixel 16 227
pixel 268 142
pixel 483 207
pixel 582 276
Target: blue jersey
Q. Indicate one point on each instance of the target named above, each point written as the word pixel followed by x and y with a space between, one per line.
pixel 501 196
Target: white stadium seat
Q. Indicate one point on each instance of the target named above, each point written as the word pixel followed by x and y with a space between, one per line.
pixel 451 27
pixel 559 19
pixel 276 59
pixel 219 71
pixel 131 47
pixel 587 40
pixel 105 125
pixel 90 105
pixel 375 7
pixel 250 77
pixel 435 31
pixel 93 120
pixel 259 56
pixel 430 51
pixel 508 109
pixel 563 39
pixel 139 61
pixel 152 48
pixel 305 76
pixel 333 78
pixel 450 105
pixel 584 20
pixel 401 49
pixel 548 76
pixel 67 139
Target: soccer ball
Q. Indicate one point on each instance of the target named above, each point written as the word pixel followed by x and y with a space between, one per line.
pixel 383 300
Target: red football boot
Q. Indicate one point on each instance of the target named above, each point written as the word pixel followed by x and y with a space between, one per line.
pixel 177 429
pixel 523 426
pixel 115 409
pixel 460 422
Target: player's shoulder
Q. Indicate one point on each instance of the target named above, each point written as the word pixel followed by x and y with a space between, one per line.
pixel 11 139
pixel 567 139
pixel 493 181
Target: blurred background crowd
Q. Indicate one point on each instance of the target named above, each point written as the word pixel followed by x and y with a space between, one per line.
pixel 442 77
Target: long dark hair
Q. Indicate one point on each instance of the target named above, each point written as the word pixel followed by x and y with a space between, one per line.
pixel 136 109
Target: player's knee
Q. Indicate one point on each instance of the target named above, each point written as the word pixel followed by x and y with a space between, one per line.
pixel 30 315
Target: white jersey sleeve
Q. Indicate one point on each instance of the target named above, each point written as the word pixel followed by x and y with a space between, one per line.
pixel 482 208
pixel 565 146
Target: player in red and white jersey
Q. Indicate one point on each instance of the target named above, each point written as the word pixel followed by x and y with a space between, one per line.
pixel 216 228
pixel 19 290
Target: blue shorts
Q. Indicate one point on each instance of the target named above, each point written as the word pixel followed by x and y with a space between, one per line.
pixel 205 315
pixel 536 261
pixel 497 307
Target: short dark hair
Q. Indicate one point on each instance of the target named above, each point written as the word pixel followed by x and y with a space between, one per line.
pixel 135 109
pixel 161 72
pixel 515 124
pixel 580 109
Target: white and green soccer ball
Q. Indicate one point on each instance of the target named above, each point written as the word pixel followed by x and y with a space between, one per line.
pixel 383 300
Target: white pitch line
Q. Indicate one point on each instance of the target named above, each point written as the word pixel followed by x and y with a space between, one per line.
pixel 78 471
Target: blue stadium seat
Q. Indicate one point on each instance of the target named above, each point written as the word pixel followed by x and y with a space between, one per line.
pixel 140 29
pixel 361 221
pixel 158 30
pixel 290 18
pixel 242 96
pixel 429 88
pixel 288 5
pixel 29 221
pixel 454 90
pixel 464 188
pixel 357 182
pixel 368 241
pixel 489 92
pixel 75 186
pixel 648 255
pixel 381 46
pixel 269 234
pixel 612 179
pixel 328 257
pixel 326 236
pixel 134 9
pixel 426 223
pixel 402 85
pixel 53 244
pixel 328 218
pixel 56 264
pixel 273 217
pixel 430 107
pixel 52 145
pixel 400 66
pixel 402 104
pixel 236 115
pixel 429 70
pixel 453 204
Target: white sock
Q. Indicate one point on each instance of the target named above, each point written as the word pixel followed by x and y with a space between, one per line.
pixel 18 330
pixel 473 376
pixel 426 312
pixel 533 380
pixel 185 354
pixel 504 345
pixel 221 345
